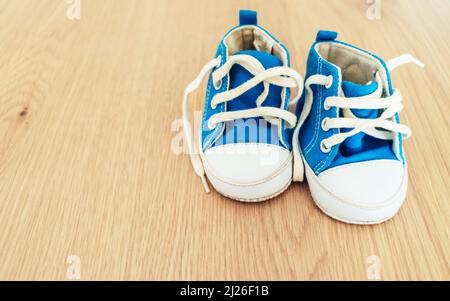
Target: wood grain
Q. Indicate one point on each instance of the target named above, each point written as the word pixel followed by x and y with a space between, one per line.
pixel 86 165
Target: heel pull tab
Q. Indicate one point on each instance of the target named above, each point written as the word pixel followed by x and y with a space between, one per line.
pixel 326 35
pixel 248 17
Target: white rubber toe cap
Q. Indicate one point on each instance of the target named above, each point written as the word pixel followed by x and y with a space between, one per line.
pixel 248 172
pixel 362 193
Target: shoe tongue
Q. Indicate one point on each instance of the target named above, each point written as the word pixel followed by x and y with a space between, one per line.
pixel 239 75
pixel 355 144
pixel 357 90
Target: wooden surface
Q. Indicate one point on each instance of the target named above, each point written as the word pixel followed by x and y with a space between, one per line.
pixel 86 166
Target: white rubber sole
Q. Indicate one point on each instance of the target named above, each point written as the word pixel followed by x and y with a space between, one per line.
pixel 262 190
pixel 351 212
pixel 263 199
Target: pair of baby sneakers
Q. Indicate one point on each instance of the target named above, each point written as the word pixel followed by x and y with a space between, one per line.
pixel 345 134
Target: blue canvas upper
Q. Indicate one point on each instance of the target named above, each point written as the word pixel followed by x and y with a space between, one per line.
pixel 358 148
pixel 239 75
pixel 262 132
pixel 236 77
pixel 248 17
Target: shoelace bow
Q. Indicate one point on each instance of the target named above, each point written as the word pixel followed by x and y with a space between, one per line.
pixel 280 76
pixel 383 127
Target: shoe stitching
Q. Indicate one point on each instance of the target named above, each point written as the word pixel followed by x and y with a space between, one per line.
pixel 310 146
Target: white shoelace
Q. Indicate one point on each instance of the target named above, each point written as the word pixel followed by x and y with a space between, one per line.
pixel 280 76
pixel 382 127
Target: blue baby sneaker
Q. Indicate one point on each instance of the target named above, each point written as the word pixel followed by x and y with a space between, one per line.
pixel 244 147
pixel 349 134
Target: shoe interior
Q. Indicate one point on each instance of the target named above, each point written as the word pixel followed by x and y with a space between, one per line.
pixel 356 66
pixel 254 38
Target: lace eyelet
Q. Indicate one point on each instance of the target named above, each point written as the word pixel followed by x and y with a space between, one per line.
pixel 218 85
pixel 324 126
pixel 323 147
pixel 330 82
pixel 325 107
pixel 211 126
